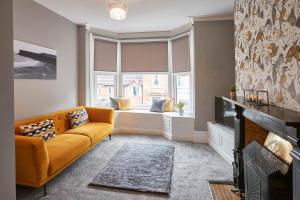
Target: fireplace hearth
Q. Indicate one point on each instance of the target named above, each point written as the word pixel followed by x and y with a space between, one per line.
pixel 257 179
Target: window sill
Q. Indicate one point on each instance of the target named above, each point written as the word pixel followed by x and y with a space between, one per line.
pixel 169 114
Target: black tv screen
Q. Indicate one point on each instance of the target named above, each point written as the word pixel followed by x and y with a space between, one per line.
pixel 224 112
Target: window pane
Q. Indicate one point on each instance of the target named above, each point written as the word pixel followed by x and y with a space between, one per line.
pixel 105 88
pixel 183 90
pixel 142 88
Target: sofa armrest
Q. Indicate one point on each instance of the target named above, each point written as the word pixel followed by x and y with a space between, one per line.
pixel 32 160
pixel 105 115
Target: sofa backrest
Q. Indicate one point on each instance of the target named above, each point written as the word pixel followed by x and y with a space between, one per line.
pixel 60 118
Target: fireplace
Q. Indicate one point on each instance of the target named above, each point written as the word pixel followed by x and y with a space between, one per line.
pixel 267 176
pixel 259 168
pixel 267 164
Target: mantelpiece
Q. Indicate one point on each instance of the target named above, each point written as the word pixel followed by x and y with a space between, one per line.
pixel 281 121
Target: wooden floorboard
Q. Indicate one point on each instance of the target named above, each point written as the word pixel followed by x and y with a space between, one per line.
pixel 223 192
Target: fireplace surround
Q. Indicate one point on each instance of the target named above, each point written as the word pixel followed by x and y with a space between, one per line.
pixel 253 123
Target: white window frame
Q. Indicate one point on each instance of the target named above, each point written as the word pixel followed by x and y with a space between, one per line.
pixel 174 77
pixel 96 73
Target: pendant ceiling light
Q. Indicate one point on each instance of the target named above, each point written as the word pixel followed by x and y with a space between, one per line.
pixel 117 9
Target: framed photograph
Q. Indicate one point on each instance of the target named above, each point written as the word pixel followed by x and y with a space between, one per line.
pixel 34 62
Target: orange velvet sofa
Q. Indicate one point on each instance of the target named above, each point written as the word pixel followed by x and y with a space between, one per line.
pixel 38 161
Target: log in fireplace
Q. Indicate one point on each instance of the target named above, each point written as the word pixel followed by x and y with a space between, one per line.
pixel 254 123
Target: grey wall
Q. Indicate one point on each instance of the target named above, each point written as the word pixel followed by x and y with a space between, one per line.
pixel 83 65
pixel 36 24
pixel 7 147
pixel 214 67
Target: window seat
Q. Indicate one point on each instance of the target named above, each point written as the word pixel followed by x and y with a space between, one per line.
pixel 168 124
pixel 171 114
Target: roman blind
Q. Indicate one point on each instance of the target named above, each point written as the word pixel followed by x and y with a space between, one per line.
pixel 105 56
pixel 181 55
pixel 144 57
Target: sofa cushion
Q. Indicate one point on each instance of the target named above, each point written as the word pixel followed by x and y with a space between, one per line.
pixel 60 118
pixel 64 148
pixel 78 118
pixel 43 129
pixel 94 130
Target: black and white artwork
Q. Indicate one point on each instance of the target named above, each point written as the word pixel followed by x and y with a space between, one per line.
pixel 34 62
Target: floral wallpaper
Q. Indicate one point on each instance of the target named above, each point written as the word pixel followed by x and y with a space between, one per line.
pixel 267 48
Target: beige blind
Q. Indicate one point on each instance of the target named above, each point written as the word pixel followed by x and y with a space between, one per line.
pixel 144 57
pixel 181 55
pixel 105 56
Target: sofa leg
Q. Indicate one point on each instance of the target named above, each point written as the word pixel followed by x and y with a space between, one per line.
pixel 45 190
pixel 109 136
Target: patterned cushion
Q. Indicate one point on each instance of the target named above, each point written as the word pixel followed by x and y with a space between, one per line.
pixel 44 129
pixel 78 118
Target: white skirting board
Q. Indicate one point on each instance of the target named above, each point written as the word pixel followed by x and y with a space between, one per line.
pixel 200 137
pixel 135 131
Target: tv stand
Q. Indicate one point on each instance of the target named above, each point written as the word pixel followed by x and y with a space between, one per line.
pixel 221 139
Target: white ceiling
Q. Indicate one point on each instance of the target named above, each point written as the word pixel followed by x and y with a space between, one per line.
pixel 143 15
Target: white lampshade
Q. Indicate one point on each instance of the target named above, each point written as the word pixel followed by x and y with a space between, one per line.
pixel 117 9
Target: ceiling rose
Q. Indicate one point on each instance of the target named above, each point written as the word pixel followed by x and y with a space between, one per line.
pixel 117 9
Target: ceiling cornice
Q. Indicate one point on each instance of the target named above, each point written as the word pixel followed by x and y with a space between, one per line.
pixel 157 34
pixel 142 35
pixel 212 18
pixel 182 29
pixel 104 33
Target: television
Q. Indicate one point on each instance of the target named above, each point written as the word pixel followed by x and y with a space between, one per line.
pixel 224 112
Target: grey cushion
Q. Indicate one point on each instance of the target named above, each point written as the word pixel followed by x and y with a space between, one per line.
pixel 114 103
pixel 158 105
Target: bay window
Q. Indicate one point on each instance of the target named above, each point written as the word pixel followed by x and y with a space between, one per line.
pixel 142 71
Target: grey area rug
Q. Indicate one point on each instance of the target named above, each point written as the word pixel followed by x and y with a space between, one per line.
pixel 139 167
